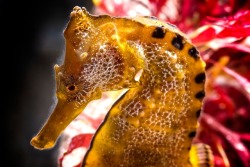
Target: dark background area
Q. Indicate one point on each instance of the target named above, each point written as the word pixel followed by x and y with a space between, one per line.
pixel 31 44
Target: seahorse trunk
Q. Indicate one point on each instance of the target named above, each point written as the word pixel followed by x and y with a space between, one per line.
pixel 153 124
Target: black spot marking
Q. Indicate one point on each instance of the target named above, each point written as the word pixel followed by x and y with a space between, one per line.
pixel 193 53
pixel 200 78
pixel 159 32
pixel 200 95
pixel 189 148
pixel 192 134
pixel 178 42
pixel 198 113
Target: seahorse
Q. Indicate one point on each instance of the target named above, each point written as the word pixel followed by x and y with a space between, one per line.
pixel 153 123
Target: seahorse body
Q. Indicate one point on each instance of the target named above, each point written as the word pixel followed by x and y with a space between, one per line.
pixel 154 122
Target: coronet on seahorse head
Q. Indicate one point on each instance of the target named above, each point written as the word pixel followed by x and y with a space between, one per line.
pixel 97 59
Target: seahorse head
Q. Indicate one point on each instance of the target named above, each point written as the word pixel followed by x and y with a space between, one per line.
pixel 96 60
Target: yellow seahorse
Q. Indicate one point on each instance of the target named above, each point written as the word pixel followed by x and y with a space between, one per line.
pixel 154 122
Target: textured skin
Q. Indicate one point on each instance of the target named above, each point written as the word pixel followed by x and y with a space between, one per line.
pixel 153 123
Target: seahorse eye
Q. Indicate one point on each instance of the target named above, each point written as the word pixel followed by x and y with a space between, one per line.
pixel 71 87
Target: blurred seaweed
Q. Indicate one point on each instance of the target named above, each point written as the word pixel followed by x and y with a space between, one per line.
pixel 220 30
